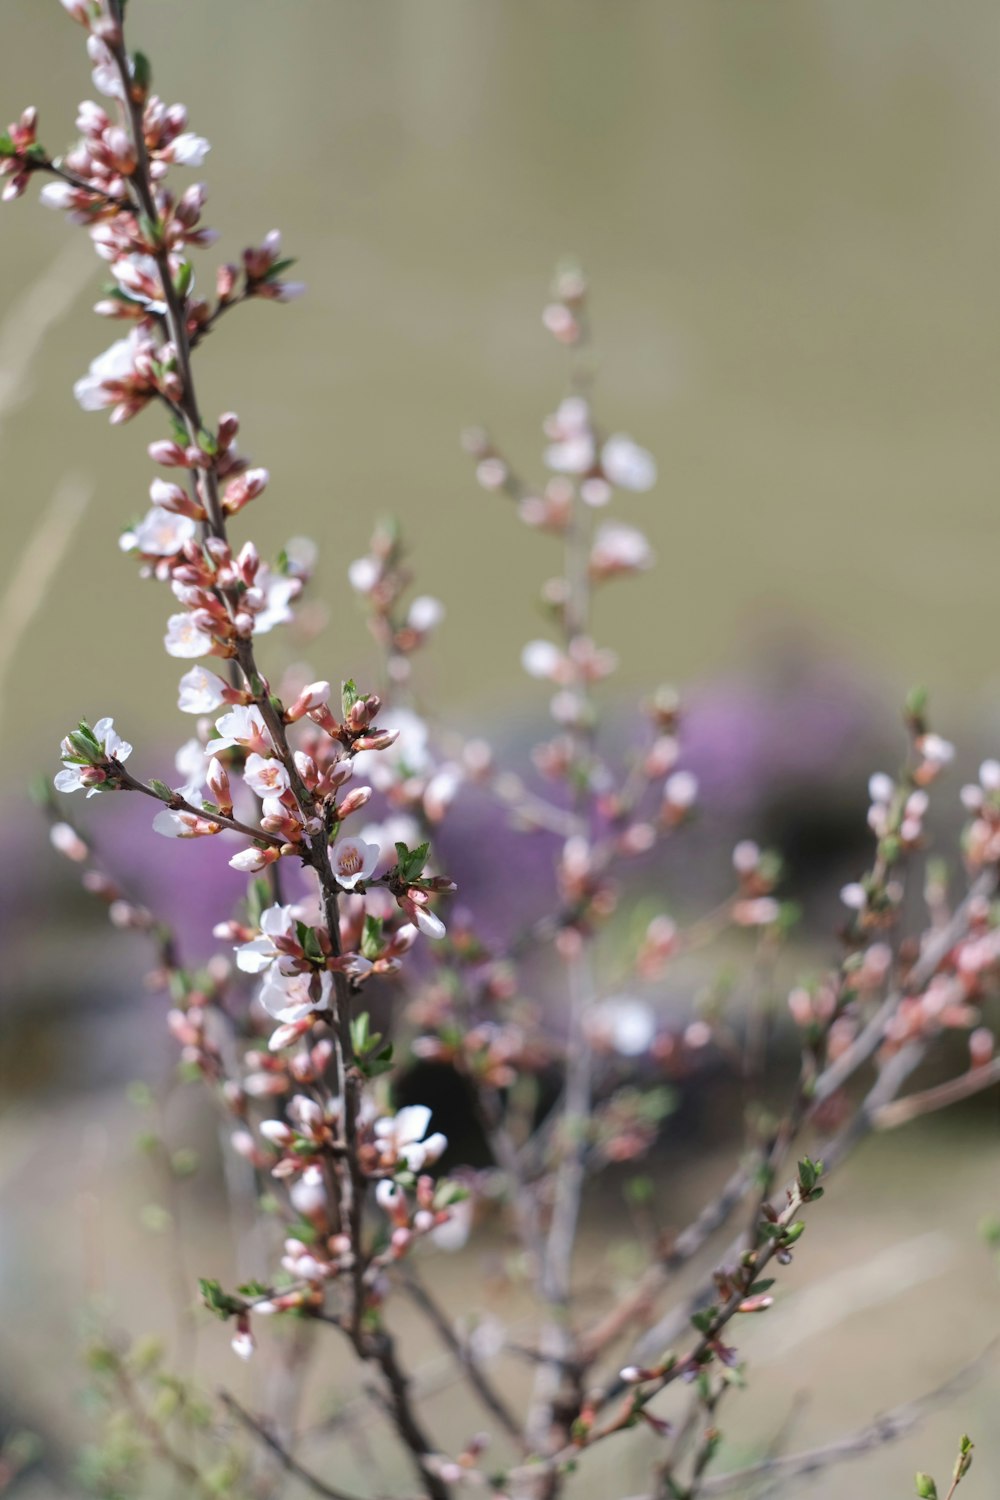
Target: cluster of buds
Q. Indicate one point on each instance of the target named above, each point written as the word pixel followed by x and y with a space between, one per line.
pixel 438 1211
pixel 381 579
pixel 19 154
pixel 92 758
pixel 981 839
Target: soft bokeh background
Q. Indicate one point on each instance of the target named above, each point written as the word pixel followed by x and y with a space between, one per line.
pixel 790 216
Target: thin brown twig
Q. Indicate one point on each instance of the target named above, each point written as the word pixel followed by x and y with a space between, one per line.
pixel 888 1428
pixel 965 1086
pixel 287 1461
pixel 480 1382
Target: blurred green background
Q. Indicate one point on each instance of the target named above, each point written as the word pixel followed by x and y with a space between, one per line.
pixel 790 218
pixel 789 213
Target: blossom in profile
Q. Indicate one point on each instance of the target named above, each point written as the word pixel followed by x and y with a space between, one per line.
pixel 121 378
pixel 401 1138
pixel 258 954
pixel 243 726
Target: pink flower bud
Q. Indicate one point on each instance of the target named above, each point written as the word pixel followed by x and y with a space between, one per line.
pixel 312 697
pixel 981 1045
pixel 355 799
pixel 218 784
pixel 68 842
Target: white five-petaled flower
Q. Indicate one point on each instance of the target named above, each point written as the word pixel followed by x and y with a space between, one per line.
pixel 292 997
pixel 184 639
pixel 71 779
pixel 240 726
pixel 265 775
pixel 160 533
pixel 400 1137
pixel 353 860
pixel 200 692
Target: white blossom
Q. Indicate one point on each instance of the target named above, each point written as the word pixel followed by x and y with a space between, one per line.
pixel 453 1234
pixel 354 860
pixel 278 595
pixel 289 997
pixel 620 549
pixel 200 692
pixel 363 574
pixel 112 747
pixel 681 789
pixel 627 465
pixel 189 150
pixel 190 764
pixel 400 1137
pixel 107 79
pixel 160 533
pixel 628 1024
pixel 114 365
pixel 425 613
pixel 542 659
pixel 265 775
pixel 242 725
pixel 184 639
pixel 259 954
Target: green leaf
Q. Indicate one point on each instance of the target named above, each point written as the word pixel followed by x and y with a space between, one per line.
pixel 278 268
pixel 371 938
pixel 162 790
pixel 216 1300
pixel 253 1289
pixel 142 71
pixel 703 1321
pixel 411 862
pixel 85 744
pixel 926 1488
pixel 311 947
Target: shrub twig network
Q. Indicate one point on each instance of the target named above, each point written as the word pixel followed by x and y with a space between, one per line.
pixel 277 1026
